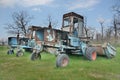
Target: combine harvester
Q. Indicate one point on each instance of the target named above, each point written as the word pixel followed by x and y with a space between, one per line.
pixel 71 39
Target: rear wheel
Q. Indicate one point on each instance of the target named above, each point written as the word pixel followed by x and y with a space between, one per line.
pixel 91 53
pixel 35 56
pixel 62 60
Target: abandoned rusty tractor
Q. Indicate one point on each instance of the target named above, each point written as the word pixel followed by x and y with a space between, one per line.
pixel 71 39
pixel 74 46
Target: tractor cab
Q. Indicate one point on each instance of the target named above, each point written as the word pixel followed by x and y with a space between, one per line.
pixel 74 24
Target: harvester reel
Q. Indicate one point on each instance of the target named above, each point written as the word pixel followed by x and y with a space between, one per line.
pixel 109 56
pixel 62 60
pixel 35 55
pixel 110 51
pixel 91 53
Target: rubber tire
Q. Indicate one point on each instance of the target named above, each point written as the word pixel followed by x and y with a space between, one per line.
pixel 35 56
pixel 62 60
pixel 19 53
pixel 10 51
pixel 90 53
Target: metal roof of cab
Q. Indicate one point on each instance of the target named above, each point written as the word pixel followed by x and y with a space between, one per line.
pixel 72 14
pixel 40 28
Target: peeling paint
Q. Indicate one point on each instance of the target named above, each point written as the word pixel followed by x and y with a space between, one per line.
pixel 50 36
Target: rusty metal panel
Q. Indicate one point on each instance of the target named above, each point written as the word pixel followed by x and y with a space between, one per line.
pixel 49 35
pixel 100 50
pixel 50 44
pixel 34 28
pixel 66 29
pixel 72 14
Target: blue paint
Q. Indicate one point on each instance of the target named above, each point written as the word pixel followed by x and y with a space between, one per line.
pixel 74 41
pixel 75 32
pixel 25 47
pixel 40 35
pixel 110 51
pixel 12 41
pixel 31 43
pixel 50 36
pixel 83 46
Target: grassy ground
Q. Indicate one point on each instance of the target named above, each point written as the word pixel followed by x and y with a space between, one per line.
pixel 22 68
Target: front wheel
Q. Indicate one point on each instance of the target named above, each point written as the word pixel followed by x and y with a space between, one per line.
pixel 62 60
pixel 35 56
pixel 19 53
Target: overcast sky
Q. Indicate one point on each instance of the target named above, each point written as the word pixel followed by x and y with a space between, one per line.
pixel 40 9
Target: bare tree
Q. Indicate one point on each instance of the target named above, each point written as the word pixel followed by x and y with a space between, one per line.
pixel 116 6
pixel 115 27
pixel 98 36
pixel 85 26
pixel 91 32
pixel 109 32
pixel 116 18
pixel 20 23
pixel 101 21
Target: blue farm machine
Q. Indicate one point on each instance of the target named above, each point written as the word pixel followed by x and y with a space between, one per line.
pixel 18 43
pixel 71 39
